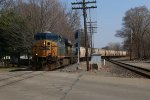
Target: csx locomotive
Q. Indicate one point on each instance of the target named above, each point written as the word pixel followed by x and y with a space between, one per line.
pixel 50 51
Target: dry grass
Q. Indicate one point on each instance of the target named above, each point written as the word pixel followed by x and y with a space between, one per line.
pixel 2 69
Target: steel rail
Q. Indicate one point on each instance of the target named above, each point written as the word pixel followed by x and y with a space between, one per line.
pixel 18 78
pixel 138 70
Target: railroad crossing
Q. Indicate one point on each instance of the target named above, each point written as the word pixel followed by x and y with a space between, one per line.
pixel 69 83
pixel 75 86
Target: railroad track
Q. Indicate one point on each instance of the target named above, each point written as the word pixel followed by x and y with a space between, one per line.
pixel 17 78
pixel 138 70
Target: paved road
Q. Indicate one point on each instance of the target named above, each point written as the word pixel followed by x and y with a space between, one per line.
pixel 76 86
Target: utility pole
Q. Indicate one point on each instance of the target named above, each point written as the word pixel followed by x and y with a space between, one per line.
pixel 92 26
pixel 83 6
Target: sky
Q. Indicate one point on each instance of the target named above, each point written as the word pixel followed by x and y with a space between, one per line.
pixel 109 14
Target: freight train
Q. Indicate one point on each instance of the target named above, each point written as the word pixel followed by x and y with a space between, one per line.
pixel 51 51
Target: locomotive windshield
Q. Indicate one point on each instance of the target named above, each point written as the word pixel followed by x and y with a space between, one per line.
pixel 47 36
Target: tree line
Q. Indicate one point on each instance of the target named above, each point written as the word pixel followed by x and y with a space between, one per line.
pixel 136 32
pixel 21 19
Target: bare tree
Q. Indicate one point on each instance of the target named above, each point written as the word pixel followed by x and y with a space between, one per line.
pixel 114 46
pixel 48 15
pixel 136 25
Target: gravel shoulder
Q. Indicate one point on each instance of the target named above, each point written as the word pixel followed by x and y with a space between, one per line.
pixel 107 70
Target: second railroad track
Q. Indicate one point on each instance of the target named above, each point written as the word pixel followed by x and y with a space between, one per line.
pixel 138 70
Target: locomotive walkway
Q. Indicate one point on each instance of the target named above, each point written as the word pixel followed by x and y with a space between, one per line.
pixel 58 85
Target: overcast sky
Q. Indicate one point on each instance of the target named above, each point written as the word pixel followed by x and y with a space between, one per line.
pixel 109 16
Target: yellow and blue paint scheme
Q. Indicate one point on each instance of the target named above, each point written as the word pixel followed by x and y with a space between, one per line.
pixel 48 44
pixel 43 48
